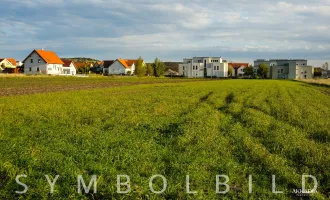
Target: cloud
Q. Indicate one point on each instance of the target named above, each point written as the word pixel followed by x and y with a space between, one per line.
pixel 104 29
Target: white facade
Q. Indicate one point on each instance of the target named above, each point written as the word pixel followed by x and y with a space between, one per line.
pixel 34 64
pixel 117 67
pixel 200 67
pixel 71 70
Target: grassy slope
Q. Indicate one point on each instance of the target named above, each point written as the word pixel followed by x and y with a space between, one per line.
pixel 236 127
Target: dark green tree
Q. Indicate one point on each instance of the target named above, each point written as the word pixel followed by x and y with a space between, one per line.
pixel 248 71
pixel 263 70
pixel 159 68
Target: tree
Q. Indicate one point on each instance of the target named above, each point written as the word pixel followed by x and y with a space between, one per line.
pixel 263 70
pixel 248 71
pixel 140 68
pixel 317 72
pixel 230 71
pixel 150 70
pixel 159 68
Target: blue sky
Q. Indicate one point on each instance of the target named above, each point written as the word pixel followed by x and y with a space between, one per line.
pixel 237 30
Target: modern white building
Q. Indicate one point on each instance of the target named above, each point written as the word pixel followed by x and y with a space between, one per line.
pixel 43 62
pixel 200 67
pixel 287 68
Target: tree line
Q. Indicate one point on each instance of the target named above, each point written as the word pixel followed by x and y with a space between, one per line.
pixel 157 68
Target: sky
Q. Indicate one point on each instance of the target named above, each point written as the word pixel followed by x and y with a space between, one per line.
pixel 237 30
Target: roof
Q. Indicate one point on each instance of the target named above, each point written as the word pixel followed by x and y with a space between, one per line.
pixel 107 63
pixel 1 59
pixel 48 56
pixel 67 63
pixel 237 65
pixel 12 61
pixel 127 63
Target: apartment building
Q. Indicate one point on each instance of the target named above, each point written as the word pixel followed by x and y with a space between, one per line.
pixel 202 67
pixel 286 68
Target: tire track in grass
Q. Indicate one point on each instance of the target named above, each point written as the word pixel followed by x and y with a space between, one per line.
pixel 257 150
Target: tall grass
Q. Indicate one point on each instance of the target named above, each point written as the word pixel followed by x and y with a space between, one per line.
pixel 236 127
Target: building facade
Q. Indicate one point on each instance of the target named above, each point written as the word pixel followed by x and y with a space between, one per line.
pixel 287 68
pixel 238 69
pixel 69 68
pixel 43 62
pixel 201 67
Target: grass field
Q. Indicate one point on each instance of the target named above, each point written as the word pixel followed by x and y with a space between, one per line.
pixel 202 129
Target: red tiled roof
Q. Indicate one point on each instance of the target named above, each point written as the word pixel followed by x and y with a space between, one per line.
pixel 12 61
pixel 238 65
pixel 107 63
pixel 127 63
pixel 67 63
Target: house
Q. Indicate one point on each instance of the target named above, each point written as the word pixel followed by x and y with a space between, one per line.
pixel 121 67
pixel 287 68
pixel 97 67
pixel 238 69
pixel 170 72
pixel 43 62
pixel 105 65
pixel 200 67
pixel 69 68
pixel 8 65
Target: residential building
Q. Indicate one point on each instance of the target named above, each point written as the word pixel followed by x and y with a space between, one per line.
pixel 199 67
pixel 287 68
pixel 7 63
pixel 105 65
pixel 170 72
pixel 238 69
pixel 43 62
pixel 69 68
pixel 120 67
pixel 97 67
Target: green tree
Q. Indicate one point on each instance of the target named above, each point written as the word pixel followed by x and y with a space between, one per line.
pixel 263 70
pixel 140 68
pixel 150 70
pixel 317 72
pixel 159 68
pixel 230 71
pixel 248 71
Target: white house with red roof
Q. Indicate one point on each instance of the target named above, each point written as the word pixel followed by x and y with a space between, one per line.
pixel 121 66
pixel 7 63
pixel 43 62
pixel 69 68
pixel 238 69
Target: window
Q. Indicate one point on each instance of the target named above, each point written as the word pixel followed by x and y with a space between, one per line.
pixel 182 68
pixel 281 70
pixel 38 69
pixel 31 60
pixel 30 69
pixel 39 60
pixel 196 67
pixel 50 69
pixel 217 67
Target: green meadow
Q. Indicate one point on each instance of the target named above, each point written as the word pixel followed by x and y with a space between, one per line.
pixel 197 128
